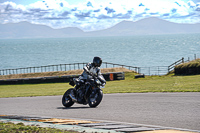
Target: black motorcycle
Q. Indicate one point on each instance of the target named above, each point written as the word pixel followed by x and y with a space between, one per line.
pixel 88 92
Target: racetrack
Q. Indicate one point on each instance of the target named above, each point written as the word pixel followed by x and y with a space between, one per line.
pixel 178 110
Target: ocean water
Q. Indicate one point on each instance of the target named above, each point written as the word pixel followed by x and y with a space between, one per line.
pixel 139 51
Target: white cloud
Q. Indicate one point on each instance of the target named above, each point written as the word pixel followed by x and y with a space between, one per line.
pixel 96 16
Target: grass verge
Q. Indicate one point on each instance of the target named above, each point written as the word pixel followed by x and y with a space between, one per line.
pixel 21 128
pixel 169 83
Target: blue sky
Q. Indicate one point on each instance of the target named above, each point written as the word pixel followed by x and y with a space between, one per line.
pixel 90 15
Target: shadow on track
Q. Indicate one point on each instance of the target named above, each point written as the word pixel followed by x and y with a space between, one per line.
pixel 75 108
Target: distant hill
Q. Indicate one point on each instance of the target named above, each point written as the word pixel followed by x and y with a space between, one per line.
pixel 28 30
pixel 147 26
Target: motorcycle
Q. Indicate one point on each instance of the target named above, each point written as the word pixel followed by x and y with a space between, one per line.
pixel 88 92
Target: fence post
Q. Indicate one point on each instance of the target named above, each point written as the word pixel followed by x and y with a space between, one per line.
pixel 149 71
pixel 182 59
pixel 138 70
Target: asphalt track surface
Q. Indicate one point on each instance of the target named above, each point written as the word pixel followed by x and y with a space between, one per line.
pixel 177 110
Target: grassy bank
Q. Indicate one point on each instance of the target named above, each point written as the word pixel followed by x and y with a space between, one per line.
pixel 188 68
pixel 59 73
pixel 168 83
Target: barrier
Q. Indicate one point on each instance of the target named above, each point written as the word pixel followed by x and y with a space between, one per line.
pixel 58 79
pixel 60 67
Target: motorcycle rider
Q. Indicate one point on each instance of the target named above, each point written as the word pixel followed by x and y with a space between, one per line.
pixel 91 70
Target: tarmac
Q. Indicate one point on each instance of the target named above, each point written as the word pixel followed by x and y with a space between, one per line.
pixel 89 126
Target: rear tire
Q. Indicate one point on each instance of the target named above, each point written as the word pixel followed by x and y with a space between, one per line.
pixel 66 100
pixel 94 102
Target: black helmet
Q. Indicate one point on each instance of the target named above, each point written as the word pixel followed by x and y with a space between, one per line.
pixel 97 61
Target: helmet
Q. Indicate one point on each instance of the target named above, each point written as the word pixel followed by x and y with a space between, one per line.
pixel 97 61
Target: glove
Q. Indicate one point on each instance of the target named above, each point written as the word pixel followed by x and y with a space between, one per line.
pixel 103 84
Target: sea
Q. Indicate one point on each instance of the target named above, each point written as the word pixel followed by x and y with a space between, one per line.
pixel 137 51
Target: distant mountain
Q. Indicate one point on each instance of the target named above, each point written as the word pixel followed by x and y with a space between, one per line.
pixel 147 26
pixel 28 30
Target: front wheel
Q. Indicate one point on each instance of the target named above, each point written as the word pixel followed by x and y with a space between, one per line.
pixel 66 99
pixel 94 102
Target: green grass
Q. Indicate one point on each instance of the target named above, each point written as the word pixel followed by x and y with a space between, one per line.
pixel 33 90
pixel 168 83
pixel 21 128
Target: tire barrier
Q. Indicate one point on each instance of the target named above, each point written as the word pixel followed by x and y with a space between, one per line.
pixel 140 76
pixel 58 79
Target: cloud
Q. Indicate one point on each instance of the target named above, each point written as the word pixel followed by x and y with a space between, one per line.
pixel 91 15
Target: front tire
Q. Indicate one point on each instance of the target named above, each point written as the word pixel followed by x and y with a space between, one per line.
pixel 66 100
pixel 94 102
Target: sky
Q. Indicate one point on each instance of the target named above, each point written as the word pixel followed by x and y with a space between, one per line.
pixel 91 15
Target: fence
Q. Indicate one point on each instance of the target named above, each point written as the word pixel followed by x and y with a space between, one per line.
pixel 155 70
pixel 49 68
pixel 171 67
pixel 158 70
pixel 111 65
pixel 60 67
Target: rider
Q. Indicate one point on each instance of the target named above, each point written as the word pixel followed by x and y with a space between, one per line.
pixel 91 70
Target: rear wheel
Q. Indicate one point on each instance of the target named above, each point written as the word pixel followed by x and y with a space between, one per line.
pixel 94 102
pixel 66 100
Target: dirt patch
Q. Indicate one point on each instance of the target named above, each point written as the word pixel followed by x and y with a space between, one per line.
pixel 60 73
